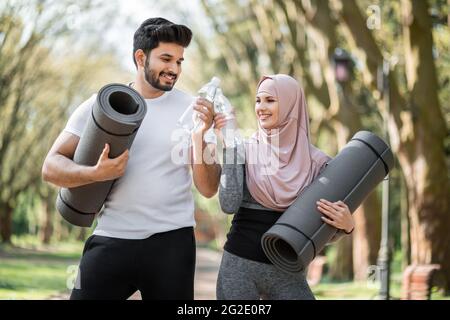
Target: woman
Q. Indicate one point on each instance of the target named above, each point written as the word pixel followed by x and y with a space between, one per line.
pixel 279 163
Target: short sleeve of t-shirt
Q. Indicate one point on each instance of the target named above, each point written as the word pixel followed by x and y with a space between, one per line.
pixel 80 116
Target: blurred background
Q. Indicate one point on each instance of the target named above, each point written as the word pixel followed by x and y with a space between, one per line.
pixel 382 66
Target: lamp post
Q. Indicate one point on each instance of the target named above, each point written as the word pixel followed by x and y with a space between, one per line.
pixel 343 65
pixel 384 255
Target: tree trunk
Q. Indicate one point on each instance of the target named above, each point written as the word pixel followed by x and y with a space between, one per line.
pixel 47 230
pixel 405 225
pixel 6 223
pixel 423 156
pixel 367 236
pixel 81 234
pixel 341 269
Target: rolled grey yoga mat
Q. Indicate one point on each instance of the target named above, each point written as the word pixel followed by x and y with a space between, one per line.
pixel 300 234
pixel 115 119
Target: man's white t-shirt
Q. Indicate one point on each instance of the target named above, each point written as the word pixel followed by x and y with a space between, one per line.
pixel 154 195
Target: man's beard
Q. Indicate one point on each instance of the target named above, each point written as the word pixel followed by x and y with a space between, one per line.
pixel 153 79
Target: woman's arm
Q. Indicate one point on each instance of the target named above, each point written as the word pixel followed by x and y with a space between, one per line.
pixel 231 181
pixel 338 235
pixel 338 215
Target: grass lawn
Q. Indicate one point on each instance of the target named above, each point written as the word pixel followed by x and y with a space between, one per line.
pixel 361 291
pixel 37 272
pixel 351 290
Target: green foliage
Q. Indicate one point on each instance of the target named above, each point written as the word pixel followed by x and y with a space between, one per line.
pixel 26 214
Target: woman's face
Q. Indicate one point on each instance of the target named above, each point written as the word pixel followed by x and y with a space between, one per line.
pixel 266 109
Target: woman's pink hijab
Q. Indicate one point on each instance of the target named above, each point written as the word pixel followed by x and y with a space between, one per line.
pixel 282 162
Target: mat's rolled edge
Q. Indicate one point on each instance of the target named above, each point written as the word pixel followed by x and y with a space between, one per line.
pixel 73 216
pixel 380 147
pixel 269 243
pixel 107 114
pixel 282 252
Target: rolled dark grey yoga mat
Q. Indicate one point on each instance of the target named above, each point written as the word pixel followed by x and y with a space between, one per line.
pixel 115 119
pixel 299 234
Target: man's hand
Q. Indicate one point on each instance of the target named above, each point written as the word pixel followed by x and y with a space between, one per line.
pixel 110 169
pixel 205 112
pixel 60 169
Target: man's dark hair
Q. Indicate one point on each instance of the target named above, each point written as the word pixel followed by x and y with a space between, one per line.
pixel 155 30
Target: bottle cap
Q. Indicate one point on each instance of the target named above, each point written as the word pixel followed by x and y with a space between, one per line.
pixel 215 81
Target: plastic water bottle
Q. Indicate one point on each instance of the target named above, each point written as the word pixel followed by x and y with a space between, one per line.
pixel 189 119
pixel 229 132
pixel 222 104
pixel 209 90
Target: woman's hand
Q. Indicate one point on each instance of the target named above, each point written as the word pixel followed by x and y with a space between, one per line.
pixel 337 214
pixel 227 121
pixel 220 121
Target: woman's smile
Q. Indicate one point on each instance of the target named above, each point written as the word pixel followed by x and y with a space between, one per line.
pixel 264 116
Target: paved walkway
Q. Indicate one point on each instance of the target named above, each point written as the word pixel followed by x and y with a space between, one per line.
pixel 208 262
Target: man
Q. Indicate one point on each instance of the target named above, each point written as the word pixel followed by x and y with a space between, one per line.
pixel 144 238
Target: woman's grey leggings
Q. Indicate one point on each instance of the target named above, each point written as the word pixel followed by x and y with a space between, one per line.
pixel 243 279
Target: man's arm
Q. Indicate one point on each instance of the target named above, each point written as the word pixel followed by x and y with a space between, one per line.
pixel 61 170
pixel 205 169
